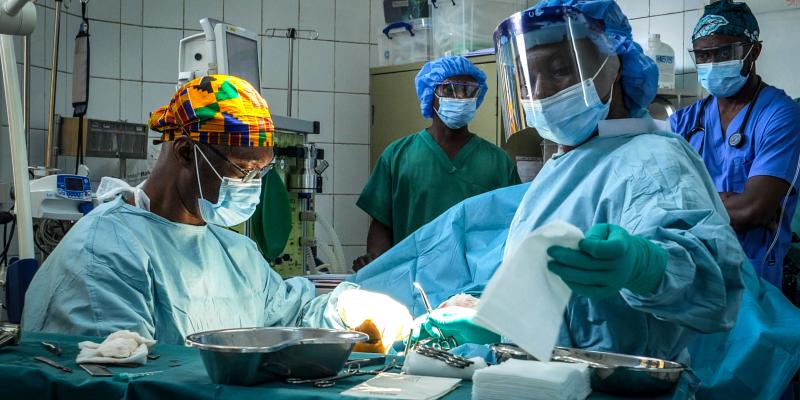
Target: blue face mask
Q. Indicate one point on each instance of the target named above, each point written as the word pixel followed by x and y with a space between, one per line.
pixel 456 113
pixel 567 117
pixel 237 200
pixel 722 79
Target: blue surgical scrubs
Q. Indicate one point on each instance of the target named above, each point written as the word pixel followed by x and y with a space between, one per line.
pixel 770 148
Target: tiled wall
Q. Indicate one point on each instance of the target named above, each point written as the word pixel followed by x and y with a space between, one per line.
pixel 134 68
pixel 675 20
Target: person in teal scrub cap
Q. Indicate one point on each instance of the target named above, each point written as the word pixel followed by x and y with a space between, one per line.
pixel 420 176
pixel 748 133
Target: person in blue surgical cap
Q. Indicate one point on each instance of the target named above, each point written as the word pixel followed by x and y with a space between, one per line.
pixel 160 260
pixel 748 134
pixel 659 263
pixel 420 176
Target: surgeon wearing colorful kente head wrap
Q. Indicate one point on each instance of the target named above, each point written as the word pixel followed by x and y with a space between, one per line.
pixel 421 175
pixel 158 259
pixel 748 133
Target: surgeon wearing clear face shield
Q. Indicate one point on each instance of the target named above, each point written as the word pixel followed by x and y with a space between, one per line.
pixel 159 259
pixel 659 261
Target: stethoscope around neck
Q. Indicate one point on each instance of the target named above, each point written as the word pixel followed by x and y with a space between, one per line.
pixel 736 140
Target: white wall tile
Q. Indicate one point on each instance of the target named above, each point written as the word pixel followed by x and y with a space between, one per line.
pixel 105 49
pixel 318 15
pixel 316 65
pixel 198 9
pixel 352 113
pixel 374 56
pixel 131 102
pixel 40 43
pixel 131 11
pixel 40 83
pixel 131 51
pixel 103 99
pixel 660 7
pixel 63 94
pixel 244 13
pixel 640 29
pixel 155 95
pixel 275 63
pixel 318 106
pixel 636 8
pixel 276 99
pixel 66 48
pixel 163 13
pixel 690 19
pixel 161 62
pixel 670 27
pixel 328 176
pixel 352 21
pixel 324 208
pixel 779 57
pixel 352 168
pixel 107 10
pixel 350 223
pixel 352 68
pixel 36 147
pixel 280 14
pixel 694 4
pixel 768 6
pixel 353 252
pixel 376 20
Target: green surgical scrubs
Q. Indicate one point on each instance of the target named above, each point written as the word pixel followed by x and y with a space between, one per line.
pixel 415 181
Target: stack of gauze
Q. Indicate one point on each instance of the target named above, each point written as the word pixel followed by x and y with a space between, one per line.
pixel 518 379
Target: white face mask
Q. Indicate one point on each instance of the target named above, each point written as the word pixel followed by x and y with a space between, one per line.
pixel 568 117
pixel 237 200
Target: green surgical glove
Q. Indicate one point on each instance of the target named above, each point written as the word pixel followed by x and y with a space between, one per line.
pixel 607 260
pixel 453 322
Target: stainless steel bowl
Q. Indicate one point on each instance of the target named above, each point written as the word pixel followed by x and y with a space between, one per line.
pixel 623 374
pixel 249 356
pixel 611 372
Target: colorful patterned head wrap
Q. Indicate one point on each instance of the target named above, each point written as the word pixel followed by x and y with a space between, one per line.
pixel 216 109
pixel 727 18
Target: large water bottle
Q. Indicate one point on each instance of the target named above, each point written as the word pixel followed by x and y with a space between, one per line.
pixel 665 59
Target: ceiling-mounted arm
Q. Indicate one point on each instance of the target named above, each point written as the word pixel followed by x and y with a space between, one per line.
pixel 17 17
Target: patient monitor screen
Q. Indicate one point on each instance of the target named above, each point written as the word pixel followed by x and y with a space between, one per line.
pixel 243 58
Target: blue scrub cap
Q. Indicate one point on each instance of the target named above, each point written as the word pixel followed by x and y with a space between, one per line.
pixel 639 72
pixel 436 71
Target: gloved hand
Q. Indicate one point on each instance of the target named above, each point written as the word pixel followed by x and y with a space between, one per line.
pixel 453 322
pixel 609 259
pixel 382 318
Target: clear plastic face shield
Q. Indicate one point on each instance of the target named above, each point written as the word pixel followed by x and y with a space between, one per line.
pixel 556 71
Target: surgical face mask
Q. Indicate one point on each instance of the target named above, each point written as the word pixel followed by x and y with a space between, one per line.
pixel 237 200
pixel 568 117
pixel 723 79
pixel 456 113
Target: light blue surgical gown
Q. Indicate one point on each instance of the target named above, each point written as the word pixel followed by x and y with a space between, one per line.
pixel 771 147
pixel 653 185
pixel 121 267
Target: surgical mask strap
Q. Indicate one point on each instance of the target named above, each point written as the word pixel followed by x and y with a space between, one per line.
pixel 585 99
pixel 197 168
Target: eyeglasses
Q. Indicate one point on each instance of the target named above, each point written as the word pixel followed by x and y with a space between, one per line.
pixel 458 90
pixel 247 174
pixel 728 52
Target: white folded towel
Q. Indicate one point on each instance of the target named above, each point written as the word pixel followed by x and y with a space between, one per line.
pixel 120 347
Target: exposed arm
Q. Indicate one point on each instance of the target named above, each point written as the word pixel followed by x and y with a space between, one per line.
pixel 758 206
pixel 379 240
